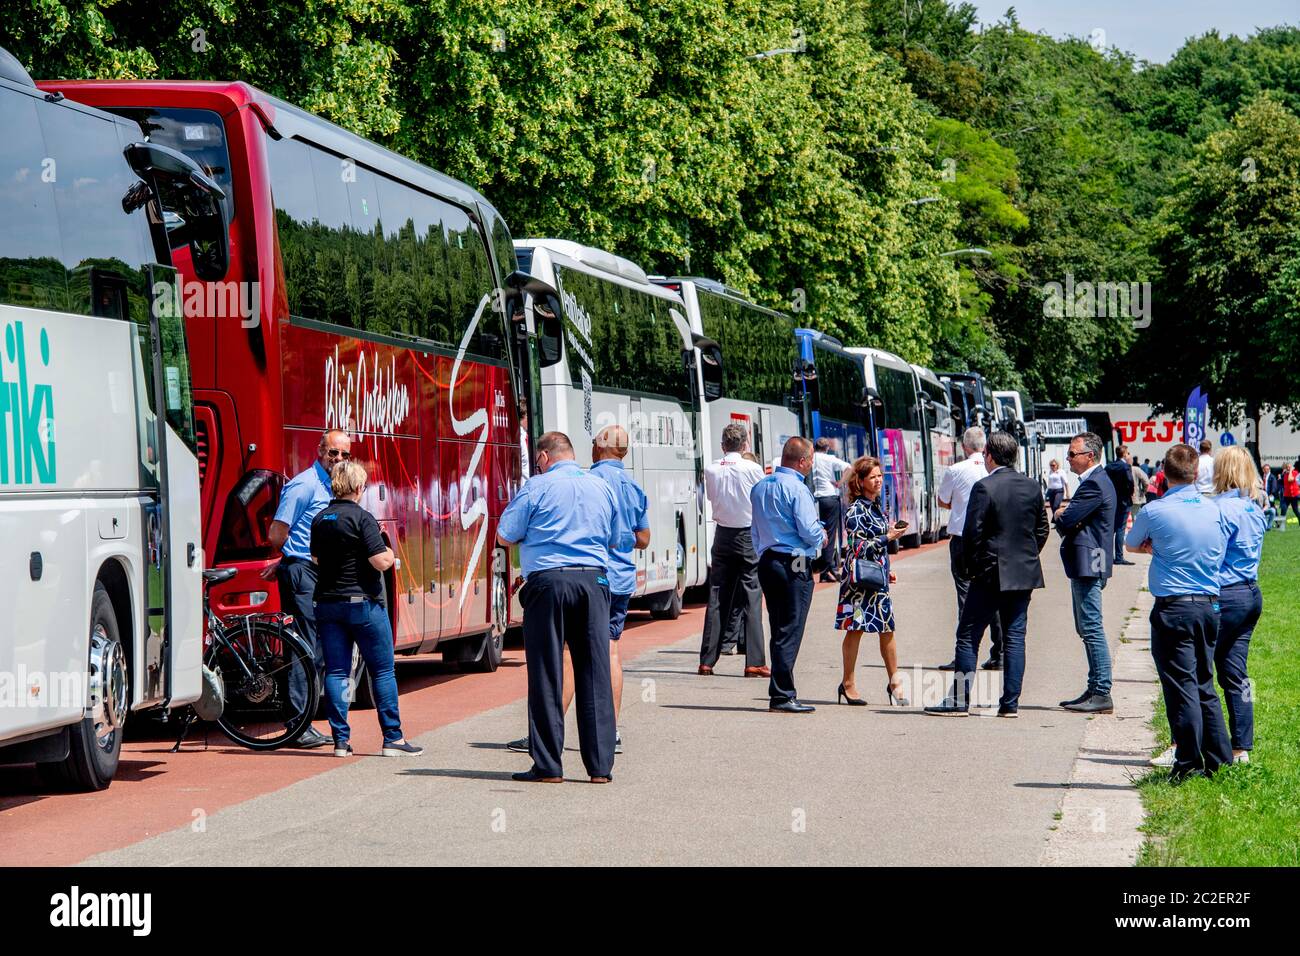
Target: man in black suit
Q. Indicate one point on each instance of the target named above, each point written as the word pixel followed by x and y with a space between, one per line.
pixel 1087 526
pixel 1006 528
pixel 1120 473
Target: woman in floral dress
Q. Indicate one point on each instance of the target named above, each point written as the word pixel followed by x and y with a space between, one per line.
pixel 860 610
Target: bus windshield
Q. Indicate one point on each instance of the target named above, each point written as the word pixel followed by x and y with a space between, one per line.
pixel 758 348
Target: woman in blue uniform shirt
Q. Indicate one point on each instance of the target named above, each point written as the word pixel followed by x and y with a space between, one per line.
pixel 1239 495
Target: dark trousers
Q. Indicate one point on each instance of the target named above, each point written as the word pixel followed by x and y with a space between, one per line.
pixel 1183 635
pixel 1240 606
pixel 1293 504
pixel 788 587
pixel 831 510
pixel 985 603
pixel 1054 497
pixel 963 587
pixel 296 581
pixel 735 598
pixel 1121 528
pixel 568 607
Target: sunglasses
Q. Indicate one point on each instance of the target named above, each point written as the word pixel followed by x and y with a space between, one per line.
pixel 335 453
pixel 1076 454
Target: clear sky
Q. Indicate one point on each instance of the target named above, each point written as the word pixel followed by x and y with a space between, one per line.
pixel 1151 29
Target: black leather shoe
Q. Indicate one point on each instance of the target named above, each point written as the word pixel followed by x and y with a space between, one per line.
pixel 1076 700
pixel 1123 561
pixel 532 776
pixel 950 666
pixel 311 738
pixel 947 708
pixel 790 707
pixel 992 664
pixel 1094 704
pixel 1009 712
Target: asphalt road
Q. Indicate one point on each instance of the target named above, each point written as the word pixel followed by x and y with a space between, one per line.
pixel 708 776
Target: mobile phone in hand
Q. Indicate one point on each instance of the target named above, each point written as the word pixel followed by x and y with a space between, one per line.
pixel 900 524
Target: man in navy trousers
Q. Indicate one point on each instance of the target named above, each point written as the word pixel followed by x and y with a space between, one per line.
pixel 1087 527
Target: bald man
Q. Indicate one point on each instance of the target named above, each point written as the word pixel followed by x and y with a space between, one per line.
pixel 787 536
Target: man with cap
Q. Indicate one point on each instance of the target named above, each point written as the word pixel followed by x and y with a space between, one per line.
pixel 303 498
pixel 1187 537
pixel 787 536
pixel 567 524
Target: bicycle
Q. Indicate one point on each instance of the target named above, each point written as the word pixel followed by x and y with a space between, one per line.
pixel 250 664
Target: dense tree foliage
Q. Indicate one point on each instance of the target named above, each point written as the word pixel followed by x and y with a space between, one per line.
pixel 850 179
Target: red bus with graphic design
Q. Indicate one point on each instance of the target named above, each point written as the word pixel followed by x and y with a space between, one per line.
pixel 360 295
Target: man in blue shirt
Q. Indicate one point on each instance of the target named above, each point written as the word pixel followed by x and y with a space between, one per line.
pixel 566 523
pixel 1186 535
pixel 303 498
pixel 787 536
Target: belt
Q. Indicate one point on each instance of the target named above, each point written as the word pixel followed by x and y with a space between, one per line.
pixel 1241 584
pixel 289 559
pixel 572 567
pixel 1188 599
pixel 351 599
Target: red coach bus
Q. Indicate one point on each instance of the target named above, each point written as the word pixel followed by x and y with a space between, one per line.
pixel 360 295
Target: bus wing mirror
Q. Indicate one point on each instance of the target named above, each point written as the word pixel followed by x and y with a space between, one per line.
pixel 870 397
pixel 710 353
pixel 545 303
pixel 191 203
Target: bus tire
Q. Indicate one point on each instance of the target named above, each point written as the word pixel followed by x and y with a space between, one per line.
pixel 912 540
pixel 670 608
pixel 95 742
pixel 494 640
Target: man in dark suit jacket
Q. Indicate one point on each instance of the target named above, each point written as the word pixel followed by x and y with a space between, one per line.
pixel 1006 528
pixel 1120 473
pixel 1087 527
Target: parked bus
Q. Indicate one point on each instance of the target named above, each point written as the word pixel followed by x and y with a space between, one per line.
pixel 627 358
pixel 972 400
pixel 897 436
pixel 1016 412
pixel 100 572
pixel 759 357
pixel 366 290
pixel 940 442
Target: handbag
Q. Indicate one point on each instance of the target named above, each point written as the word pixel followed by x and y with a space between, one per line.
pixel 865 573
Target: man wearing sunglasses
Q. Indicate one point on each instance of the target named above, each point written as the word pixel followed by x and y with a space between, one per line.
pixel 303 498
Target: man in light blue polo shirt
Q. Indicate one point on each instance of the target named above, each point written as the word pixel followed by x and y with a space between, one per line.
pixel 1187 537
pixel 303 498
pixel 565 521
pixel 787 536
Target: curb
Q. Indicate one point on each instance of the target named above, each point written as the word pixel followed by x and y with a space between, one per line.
pixel 1101 815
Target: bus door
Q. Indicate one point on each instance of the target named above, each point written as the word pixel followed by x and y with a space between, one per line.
pixel 173 529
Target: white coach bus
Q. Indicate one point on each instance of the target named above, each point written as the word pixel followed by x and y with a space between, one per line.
pixel 941 448
pixel 760 355
pixel 626 357
pixel 100 569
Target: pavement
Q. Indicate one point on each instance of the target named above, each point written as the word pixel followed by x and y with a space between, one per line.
pixel 708 776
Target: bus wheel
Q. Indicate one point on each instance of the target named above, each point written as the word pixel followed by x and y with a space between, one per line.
pixel 95 744
pixel 363 695
pixel 494 641
pixel 670 608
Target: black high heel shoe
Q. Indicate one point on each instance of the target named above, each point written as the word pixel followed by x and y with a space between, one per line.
pixel 900 701
pixel 842 697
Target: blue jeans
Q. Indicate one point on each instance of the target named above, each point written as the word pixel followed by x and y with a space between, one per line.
pixel 983 603
pixel 1240 606
pixel 340 624
pixel 1085 595
pixel 1121 529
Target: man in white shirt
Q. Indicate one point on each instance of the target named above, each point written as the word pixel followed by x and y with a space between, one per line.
pixel 1205 469
pixel 735 597
pixel 827 471
pixel 954 494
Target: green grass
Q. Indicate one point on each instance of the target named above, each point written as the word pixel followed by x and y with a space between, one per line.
pixel 1247 815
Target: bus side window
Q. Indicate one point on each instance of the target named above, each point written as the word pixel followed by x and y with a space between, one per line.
pixel 31 268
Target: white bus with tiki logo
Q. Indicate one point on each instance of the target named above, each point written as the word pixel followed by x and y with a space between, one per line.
pixel 100 570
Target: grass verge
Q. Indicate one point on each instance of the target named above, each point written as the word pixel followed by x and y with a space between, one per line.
pixel 1248 815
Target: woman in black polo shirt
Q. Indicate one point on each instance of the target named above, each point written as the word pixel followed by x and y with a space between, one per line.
pixel 351 556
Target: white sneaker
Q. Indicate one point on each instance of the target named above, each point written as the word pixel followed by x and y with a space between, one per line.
pixel 1166 759
pixel 618 742
pixel 1243 757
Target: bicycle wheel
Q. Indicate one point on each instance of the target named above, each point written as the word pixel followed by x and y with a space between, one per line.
pixel 271 683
